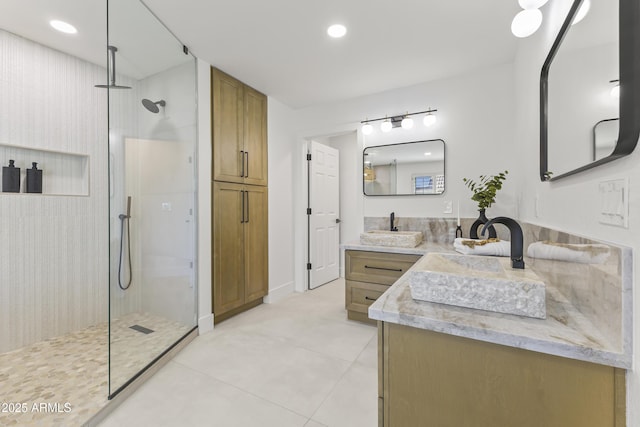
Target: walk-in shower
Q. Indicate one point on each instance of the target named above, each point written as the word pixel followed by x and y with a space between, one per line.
pixel 97 277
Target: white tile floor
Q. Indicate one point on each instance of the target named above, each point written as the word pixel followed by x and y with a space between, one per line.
pixel 298 362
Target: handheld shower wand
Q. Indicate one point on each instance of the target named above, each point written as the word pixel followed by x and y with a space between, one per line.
pixel 124 218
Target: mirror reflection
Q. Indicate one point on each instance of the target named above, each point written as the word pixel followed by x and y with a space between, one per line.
pixel 410 168
pixel 605 137
pixel 582 90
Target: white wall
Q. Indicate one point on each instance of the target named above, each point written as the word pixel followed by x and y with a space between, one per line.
pixel 350 185
pixel 571 204
pixel 475 119
pixel 205 309
pixel 54 249
pixel 281 157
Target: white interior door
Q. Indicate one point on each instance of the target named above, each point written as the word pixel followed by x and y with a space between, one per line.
pixel 324 201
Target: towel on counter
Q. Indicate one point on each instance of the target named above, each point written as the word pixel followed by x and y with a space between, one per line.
pixel 494 247
pixel 585 254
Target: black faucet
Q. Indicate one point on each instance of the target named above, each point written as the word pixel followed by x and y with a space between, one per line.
pixel 517 260
pixel 392 219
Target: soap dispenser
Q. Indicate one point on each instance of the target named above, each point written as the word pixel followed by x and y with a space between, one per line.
pixel 10 178
pixel 34 179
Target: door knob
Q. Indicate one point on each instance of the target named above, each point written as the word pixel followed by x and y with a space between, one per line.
pixel 338 221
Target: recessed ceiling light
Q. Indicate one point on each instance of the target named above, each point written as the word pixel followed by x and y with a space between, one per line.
pixel 427 154
pixel 337 31
pixel 63 26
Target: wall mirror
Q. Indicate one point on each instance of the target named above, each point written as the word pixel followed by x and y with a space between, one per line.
pixel 405 169
pixel 589 77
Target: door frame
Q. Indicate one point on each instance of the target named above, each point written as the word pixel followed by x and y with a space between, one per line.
pixel 301 194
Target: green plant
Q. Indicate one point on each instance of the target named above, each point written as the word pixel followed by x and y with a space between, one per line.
pixel 484 191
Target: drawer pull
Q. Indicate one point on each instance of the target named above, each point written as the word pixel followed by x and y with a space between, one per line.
pixel 370 299
pixel 384 268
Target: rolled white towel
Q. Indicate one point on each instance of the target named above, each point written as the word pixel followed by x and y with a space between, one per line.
pixel 492 247
pixel 585 254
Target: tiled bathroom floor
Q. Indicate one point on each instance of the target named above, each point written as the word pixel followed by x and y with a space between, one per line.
pixel 74 369
pixel 298 362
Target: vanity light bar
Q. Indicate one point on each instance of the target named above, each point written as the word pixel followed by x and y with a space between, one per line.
pixel 398 120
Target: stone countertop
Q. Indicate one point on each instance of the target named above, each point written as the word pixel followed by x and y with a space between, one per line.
pixel 566 332
pixel 421 249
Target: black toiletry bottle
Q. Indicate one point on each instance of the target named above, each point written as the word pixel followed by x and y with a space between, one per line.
pixel 34 179
pixel 10 178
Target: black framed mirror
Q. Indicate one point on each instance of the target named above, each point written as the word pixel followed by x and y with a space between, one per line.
pixel 404 169
pixel 576 84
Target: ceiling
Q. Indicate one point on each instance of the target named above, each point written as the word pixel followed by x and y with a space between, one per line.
pixel 281 48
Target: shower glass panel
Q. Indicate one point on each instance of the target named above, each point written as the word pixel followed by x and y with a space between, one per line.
pixel 152 143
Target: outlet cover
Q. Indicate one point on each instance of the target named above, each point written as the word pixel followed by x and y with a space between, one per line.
pixel 614 202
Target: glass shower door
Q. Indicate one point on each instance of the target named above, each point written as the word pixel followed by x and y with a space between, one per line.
pixel 152 143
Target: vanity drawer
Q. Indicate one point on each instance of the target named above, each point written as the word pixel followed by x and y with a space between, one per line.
pixel 377 267
pixel 359 295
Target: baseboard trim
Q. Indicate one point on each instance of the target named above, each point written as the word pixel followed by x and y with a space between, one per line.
pixel 276 294
pixel 205 324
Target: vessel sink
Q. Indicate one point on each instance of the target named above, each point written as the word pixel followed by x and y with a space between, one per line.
pixel 401 239
pixel 480 282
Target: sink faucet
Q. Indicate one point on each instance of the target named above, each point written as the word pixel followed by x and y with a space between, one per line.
pixel 392 220
pixel 516 238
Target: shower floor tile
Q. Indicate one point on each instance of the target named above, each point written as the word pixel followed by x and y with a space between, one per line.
pixel 64 380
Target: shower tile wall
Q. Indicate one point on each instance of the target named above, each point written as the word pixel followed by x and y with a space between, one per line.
pixel 53 249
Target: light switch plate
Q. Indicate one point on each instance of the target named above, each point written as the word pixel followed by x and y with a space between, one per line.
pixel 448 206
pixel 614 202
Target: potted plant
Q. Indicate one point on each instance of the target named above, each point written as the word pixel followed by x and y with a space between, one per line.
pixel 484 193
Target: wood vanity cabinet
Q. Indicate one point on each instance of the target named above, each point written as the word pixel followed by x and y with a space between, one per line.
pixel 239 120
pixel 240 246
pixel 240 203
pixel 368 275
pixel 432 379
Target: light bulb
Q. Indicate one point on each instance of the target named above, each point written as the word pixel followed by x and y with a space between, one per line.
pixel 526 22
pixel 386 126
pixel 532 4
pixel 367 129
pixel 407 123
pixel 429 119
pixel 336 31
pixel 615 91
pixel 582 12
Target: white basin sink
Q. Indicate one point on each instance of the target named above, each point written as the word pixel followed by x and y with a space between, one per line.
pixel 401 239
pixel 486 283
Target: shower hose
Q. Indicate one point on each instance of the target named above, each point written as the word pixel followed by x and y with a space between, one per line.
pixel 123 219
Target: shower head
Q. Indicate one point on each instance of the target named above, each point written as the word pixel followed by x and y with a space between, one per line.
pixel 153 106
pixel 112 71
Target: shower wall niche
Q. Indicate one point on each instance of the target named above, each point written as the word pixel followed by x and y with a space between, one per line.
pixel 64 173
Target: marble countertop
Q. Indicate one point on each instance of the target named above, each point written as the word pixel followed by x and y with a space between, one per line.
pixel 566 331
pixel 421 249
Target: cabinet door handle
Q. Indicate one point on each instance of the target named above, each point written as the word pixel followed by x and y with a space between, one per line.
pixel 242 164
pixel 242 195
pixel 246 193
pixel 246 153
pixel 383 268
pixel 370 299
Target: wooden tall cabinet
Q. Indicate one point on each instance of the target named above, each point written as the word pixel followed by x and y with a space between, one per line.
pixel 240 196
pixel 239 131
